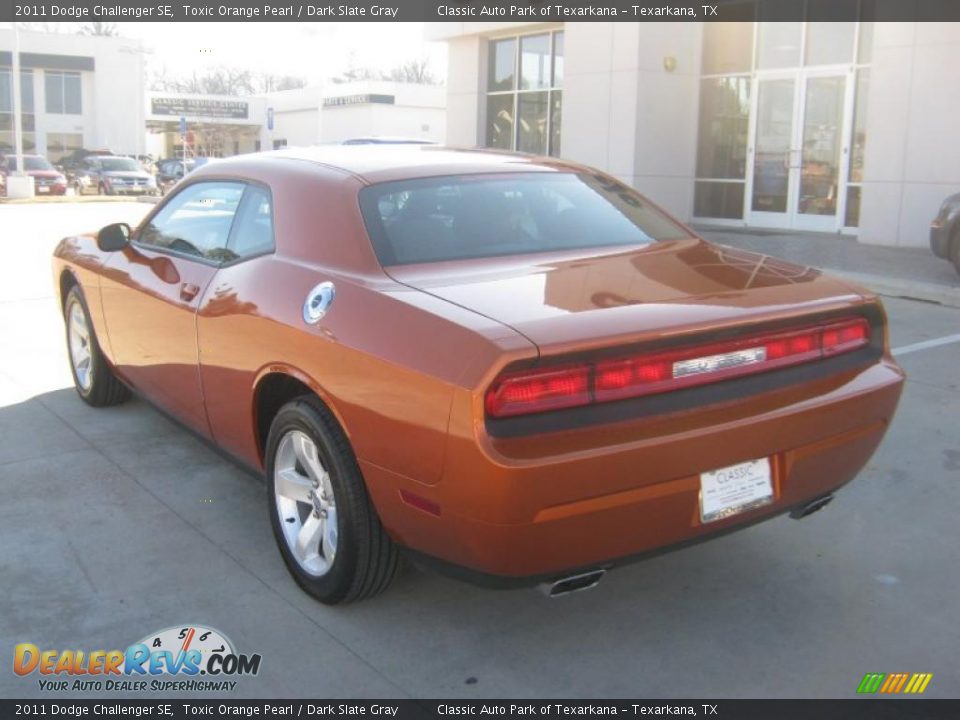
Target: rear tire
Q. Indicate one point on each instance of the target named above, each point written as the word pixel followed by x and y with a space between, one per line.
pixel 325 525
pixel 93 377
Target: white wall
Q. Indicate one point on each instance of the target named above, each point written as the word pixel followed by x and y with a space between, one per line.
pixel 418 112
pixel 912 156
pixel 112 94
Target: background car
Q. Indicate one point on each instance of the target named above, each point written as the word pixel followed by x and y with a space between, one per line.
pixel 945 231
pixel 170 171
pixel 113 175
pixel 47 180
pixel 70 163
pixel 518 370
pixel 385 140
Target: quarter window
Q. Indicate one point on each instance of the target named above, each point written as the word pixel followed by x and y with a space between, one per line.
pixel 524 77
pixel 196 221
pixel 253 228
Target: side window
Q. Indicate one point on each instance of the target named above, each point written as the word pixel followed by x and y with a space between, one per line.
pixel 253 229
pixel 196 221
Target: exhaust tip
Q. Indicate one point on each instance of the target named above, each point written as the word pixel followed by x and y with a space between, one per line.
pixel 573 583
pixel 811 507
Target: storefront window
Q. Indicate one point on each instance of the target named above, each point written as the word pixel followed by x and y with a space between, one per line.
pixel 830 43
pixel 775 114
pixel 722 146
pixel 778 44
pixel 727 47
pixel 63 93
pixel 523 109
pixel 27 116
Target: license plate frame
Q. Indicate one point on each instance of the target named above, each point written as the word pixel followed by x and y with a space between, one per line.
pixel 735 489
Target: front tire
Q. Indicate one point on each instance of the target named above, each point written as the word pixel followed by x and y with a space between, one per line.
pixel 325 525
pixel 93 377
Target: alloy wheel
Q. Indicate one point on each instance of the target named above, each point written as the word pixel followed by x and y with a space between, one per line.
pixel 81 355
pixel 306 504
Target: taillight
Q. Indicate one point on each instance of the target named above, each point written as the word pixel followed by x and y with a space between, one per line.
pixel 569 386
pixel 539 390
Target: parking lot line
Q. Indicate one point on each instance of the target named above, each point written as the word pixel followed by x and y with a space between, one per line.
pixel 926 344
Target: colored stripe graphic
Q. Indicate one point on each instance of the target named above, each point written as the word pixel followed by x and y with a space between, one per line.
pixel 870 683
pixel 918 683
pixel 895 683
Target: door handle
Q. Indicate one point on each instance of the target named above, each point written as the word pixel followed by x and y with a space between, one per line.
pixel 188 291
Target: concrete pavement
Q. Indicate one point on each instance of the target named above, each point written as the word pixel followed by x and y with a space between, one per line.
pixel 116 523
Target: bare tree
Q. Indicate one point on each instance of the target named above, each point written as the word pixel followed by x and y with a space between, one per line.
pixel 215 81
pixel 267 82
pixel 416 70
pixel 101 29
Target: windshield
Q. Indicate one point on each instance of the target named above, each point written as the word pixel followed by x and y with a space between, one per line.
pixel 120 164
pixel 481 216
pixel 31 163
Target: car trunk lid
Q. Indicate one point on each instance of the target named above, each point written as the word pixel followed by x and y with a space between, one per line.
pixel 573 302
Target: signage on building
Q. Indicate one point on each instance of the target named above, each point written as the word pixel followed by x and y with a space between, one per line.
pixel 359 100
pixel 200 107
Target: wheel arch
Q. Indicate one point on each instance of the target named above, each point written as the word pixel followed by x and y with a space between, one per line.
pixel 68 280
pixel 274 387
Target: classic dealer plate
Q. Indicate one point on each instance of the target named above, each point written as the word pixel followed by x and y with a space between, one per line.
pixel 733 489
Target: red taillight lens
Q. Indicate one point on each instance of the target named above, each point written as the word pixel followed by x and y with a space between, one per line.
pixel 845 336
pixel 569 386
pixel 539 390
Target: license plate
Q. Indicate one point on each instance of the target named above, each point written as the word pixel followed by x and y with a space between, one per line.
pixel 42 188
pixel 734 489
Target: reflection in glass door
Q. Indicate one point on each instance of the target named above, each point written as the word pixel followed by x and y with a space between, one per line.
pixel 821 152
pixel 771 161
pixel 798 151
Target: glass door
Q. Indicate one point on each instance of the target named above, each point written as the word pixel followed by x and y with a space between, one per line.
pixel 821 153
pixel 773 181
pixel 799 150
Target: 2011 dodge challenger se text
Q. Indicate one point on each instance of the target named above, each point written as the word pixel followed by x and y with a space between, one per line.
pixel 515 369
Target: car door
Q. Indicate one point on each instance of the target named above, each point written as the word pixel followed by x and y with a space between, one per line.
pixel 150 294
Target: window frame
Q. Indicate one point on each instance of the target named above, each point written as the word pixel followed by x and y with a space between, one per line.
pixel 246 182
pixel 550 90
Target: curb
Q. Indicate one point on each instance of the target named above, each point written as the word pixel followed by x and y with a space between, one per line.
pixel 900 288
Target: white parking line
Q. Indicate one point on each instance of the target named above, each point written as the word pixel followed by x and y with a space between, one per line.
pixel 926 344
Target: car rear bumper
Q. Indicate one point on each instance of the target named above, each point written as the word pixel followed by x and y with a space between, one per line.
pixel 524 516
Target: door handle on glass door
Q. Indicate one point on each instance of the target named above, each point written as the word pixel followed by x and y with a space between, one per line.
pixel 188 291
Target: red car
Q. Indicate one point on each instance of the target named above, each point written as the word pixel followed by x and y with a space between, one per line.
pixel 514 369
pixel 47 180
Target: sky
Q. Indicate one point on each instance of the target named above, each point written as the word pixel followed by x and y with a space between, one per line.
pixel 314 51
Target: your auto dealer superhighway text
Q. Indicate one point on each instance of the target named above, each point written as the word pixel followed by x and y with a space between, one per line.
pixel 204 10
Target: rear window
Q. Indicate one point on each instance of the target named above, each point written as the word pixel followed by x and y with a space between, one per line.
pixel 482 216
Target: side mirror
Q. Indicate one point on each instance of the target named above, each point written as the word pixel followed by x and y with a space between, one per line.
pixel 113 237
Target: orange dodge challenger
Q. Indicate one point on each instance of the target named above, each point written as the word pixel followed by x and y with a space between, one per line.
pixel 515 369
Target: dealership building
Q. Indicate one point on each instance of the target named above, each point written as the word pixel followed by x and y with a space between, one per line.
pixel 80 91
pixel 841 127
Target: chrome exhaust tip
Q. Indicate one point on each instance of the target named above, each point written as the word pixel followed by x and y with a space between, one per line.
pixel 573 583
pixel 811 507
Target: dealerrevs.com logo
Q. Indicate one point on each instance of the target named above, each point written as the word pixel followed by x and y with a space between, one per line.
pixel 180 658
